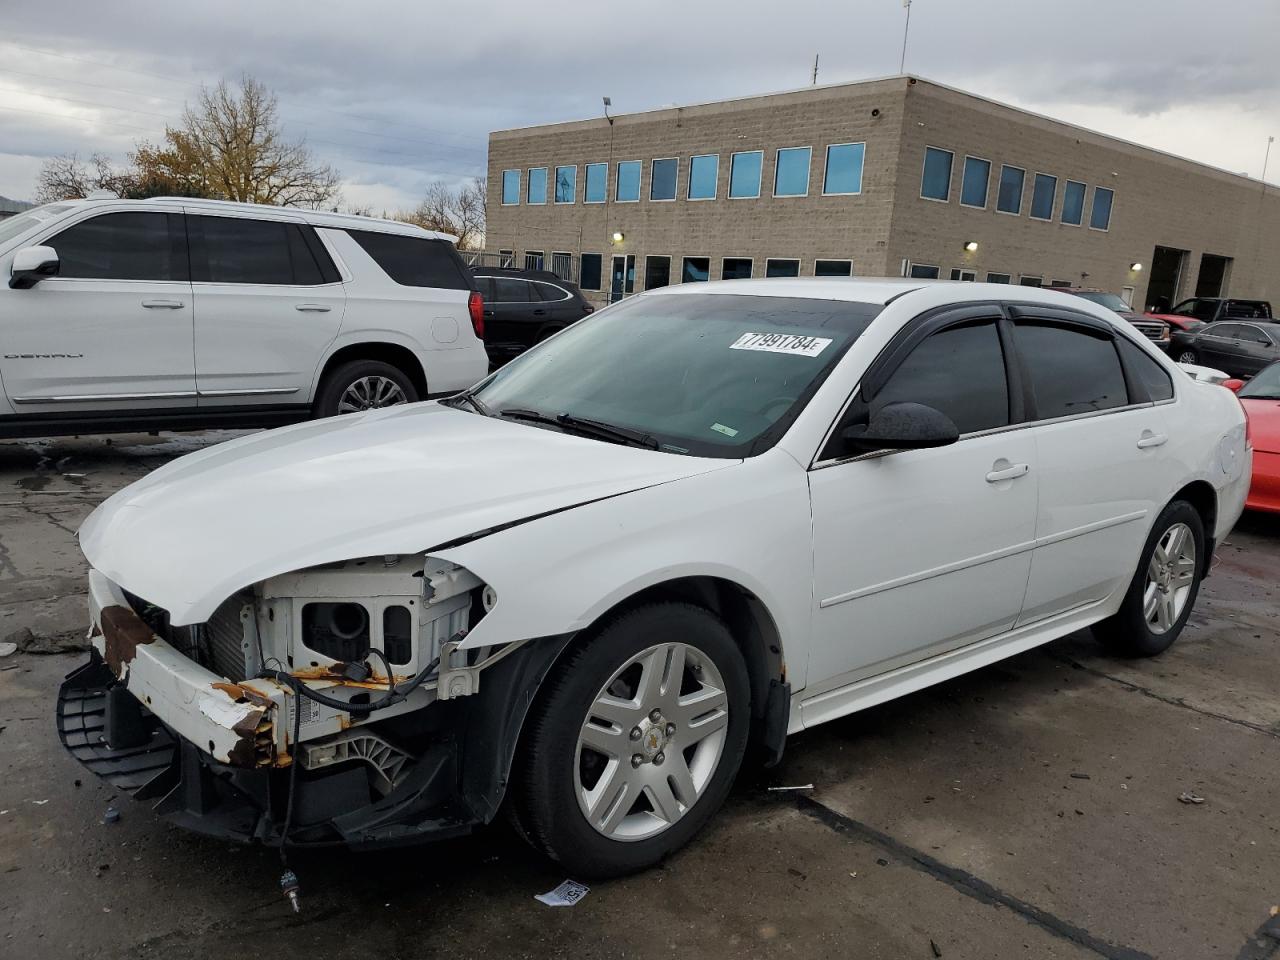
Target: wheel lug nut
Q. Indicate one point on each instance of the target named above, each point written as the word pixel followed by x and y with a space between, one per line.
pixel 658 758
pixel 636 759
pixel 671 729
pixel 655 715
pixel 635 733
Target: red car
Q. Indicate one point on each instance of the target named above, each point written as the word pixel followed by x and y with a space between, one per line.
pixel 1260 398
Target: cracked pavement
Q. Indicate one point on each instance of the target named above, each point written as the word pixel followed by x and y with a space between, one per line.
pixel 1027 810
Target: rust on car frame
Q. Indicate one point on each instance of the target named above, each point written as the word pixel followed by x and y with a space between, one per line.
pixel 331 675
pixel 123 632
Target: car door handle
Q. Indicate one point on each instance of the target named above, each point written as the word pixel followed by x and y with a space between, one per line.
pixel 1149 439
pixel 163 304
pixel 539 313
pixel 1011 472
pixel 312 307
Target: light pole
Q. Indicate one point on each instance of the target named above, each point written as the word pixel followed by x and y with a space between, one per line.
pixel 1266 157
pixel 902 63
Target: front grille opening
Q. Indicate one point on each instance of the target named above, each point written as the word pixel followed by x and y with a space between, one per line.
pixel 339 631
pixel 397 634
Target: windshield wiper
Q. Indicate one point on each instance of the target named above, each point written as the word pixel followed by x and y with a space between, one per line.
pixel 596 428
pixel 467 397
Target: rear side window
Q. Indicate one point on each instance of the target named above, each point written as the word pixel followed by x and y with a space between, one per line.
pixel 267 252
pixel 414 261
pixel 1072 370
pixel 124 246
pixel 512 290
pixel 959 371
pixel 1153 376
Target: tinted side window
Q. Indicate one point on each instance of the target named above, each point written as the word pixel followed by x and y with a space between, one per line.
pixel 959 371
pixel 124 246
pixel 1153 376
pixel 511 290
pixel 237 250
pixel 1072 371
pixel 414 261
pixel 485 286
pixel 1227 331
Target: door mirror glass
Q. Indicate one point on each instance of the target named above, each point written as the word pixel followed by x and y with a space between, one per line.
pixel 31 265
pixel 901 426
pixel 1233 384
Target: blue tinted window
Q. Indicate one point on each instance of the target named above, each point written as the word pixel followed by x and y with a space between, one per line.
pixel 844 168
pixel 744 174
pixel 594 190
pixel 510 186
pixel 791 178
pixel 662 179
pixel 703 172
pixel 695 269
pixel 1043 191
pixel 973 187
pixel 1073 202
pixel 566 184
pixel 536 189
pixel 628 185
pixel 1009 199
pixel 935 183
pixel 1100 216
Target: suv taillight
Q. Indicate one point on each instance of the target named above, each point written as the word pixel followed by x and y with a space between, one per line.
pixel 475 306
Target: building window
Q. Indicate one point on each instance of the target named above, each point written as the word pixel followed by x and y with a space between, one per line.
pixel 782 268
pixel 1100 215
pixel 535 190
pixel 510 188
pixel 566 184
pixel 595 189
pixel 506 258
pixel 973 185
pixel 744 175
pixel 999 278
pixel 1026 281
pixel 589 274
pixel 1059 283
pixel 662 179
pixel 533 260
pixel 922 271
pixel 703 173
pixel 622 281
pixel 562 265
pixel 735 268
pixel 843 175
pixel 1044 190
pixel 627 188
pixel 695 269
pixel 1073 202
pixel 657 272
pixel 935 182
pixel 791 172
pixel 833 268
pixel 1009 199
pixel 966 275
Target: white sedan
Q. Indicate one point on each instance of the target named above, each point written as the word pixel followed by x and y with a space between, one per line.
pixel 702 519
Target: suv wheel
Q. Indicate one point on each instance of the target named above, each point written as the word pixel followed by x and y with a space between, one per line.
pixel 1188 356
pixel 1163 590
pixel 635 741
pixel 363 385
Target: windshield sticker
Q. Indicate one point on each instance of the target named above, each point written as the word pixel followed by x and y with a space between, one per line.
pixel 721 428
pixel 782 343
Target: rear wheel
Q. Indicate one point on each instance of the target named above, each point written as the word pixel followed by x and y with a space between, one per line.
pixel 635 742
pixel 364 385
pixel 1188 356
pixel 1164 589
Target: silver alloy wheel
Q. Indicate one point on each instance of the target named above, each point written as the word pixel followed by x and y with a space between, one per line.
pixel 370 393
pixel 651 742
pixel 1187 356
pixel 1170 577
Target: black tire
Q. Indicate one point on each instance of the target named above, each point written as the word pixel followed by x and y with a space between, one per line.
pixel 548 331
pixel 546 776
pixel 1187 355
pixel 1128 632
pixel 341 378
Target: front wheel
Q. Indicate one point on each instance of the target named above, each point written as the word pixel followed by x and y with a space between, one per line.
pixel 1163 591
pixel 1188 356
pixel 635 741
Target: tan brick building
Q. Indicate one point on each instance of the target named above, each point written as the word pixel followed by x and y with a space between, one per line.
pixel 878 178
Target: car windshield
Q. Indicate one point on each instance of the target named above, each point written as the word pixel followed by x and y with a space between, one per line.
pixel 1109 300
pixel 715 375
pixel 1265 386
pixel 13 226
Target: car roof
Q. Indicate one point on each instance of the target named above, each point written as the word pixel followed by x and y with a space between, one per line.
pixel 879 290
pixel 546 275
pixel 317 218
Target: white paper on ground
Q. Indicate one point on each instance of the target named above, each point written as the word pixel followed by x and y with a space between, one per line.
pixel 565 895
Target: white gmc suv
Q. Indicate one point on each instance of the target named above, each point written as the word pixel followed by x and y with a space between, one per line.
pixel 128 314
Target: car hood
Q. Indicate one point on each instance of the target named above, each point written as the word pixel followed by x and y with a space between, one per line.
pixel 1264 423
pixel 394 481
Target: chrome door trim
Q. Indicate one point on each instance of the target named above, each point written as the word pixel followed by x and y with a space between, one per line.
pixel 87 397
pixel 255 392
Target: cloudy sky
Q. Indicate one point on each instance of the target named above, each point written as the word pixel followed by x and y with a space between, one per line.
pixel 396 94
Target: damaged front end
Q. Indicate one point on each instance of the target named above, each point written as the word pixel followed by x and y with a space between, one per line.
pixel 201 718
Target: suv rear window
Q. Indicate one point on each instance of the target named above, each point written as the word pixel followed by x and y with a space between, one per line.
pixel 241 250
pixel 414 261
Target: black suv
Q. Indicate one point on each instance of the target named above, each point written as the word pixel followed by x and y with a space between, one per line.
pixel 524 307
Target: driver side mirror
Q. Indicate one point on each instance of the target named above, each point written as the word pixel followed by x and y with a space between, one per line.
pixel 901 426
pixel 1234 384
pixel 31 265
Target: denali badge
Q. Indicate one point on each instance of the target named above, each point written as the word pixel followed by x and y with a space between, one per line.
pixel 43 356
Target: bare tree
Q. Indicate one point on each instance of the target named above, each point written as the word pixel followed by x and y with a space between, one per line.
pixel 67 177
pixel 459 211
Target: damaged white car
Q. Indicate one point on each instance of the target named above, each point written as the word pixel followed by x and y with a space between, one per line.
pixel 685 527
